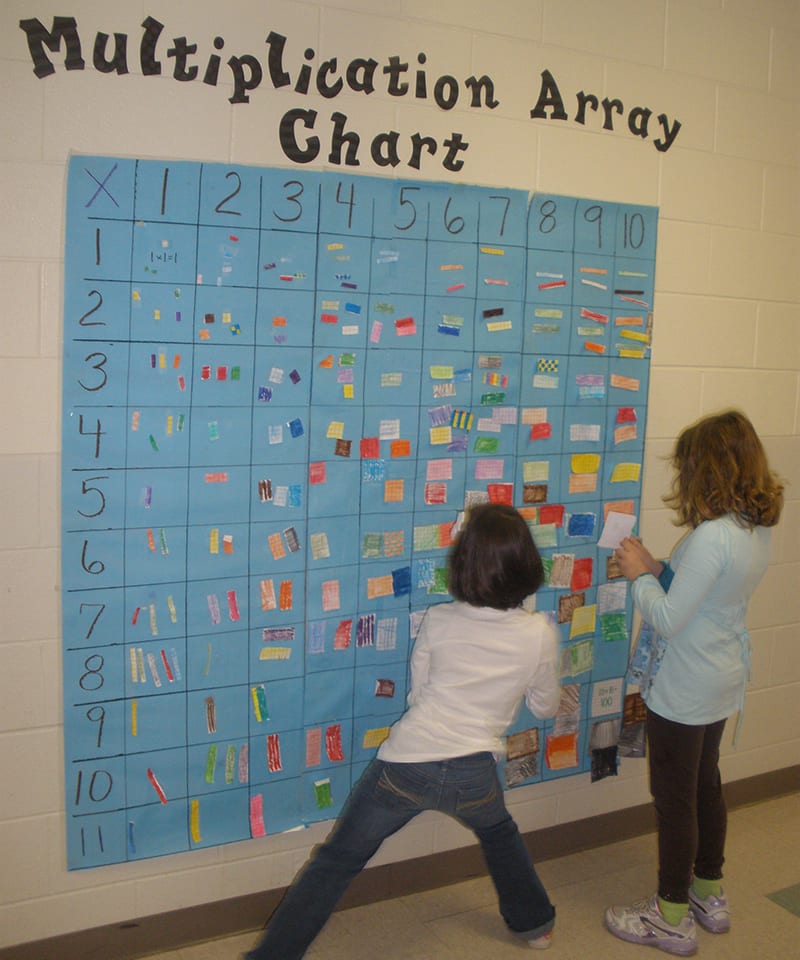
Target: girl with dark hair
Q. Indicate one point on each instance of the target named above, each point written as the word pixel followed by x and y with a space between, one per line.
pixel 474 660
pixel 725 493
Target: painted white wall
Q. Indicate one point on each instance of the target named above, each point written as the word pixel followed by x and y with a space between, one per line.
pixel 727 323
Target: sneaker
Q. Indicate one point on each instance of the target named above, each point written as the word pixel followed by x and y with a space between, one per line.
pixel 543 942
pixel 712 913
pixel 645 923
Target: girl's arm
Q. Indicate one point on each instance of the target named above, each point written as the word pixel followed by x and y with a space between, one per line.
pixel 544 691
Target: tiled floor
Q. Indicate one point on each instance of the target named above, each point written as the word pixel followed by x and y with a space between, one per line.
pixel 460 922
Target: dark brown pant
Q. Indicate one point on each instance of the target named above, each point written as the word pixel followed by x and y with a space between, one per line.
pixel 690 808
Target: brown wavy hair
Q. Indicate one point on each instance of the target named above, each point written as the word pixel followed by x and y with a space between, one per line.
pixel 494 561
pixel 720 468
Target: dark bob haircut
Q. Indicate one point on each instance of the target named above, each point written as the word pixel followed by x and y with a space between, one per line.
pixel 494 561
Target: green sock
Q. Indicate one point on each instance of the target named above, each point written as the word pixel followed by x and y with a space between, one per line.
pixel 706 888
pixel 673 912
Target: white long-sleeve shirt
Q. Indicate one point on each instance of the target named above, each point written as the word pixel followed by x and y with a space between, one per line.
pixel 470 669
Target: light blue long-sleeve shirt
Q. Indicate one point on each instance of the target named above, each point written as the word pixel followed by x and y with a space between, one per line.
pixel 702 617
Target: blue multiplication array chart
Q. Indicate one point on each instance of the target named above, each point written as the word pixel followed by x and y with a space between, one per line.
pixel 281 388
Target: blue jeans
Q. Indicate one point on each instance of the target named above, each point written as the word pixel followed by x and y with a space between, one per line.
pixel 385 799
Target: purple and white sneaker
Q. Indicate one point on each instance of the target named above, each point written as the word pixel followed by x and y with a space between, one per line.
pixel 712 913
pixel 644 923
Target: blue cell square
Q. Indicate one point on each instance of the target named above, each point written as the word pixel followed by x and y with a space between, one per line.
pixel 226 258
pixel 219 492
pixel 454 214
pixel 216 661
pixel 440 482
pixel 628 381
pixel 279 435
pixel 163 252
pixel 446 378
pixel 276 599
pixel 164 313
pixel 503 217
pixel 276 652
pixel 278 491
pixel 397 265
pixel 281 805
pixel 538 479
pixel 93 437
pixel 346 205
pixel 94 730
pixel 395 321
pixel 158 436
pixel 452 270
pixel 547 328
pixel 102 187
pixel 335 433
pixel 285 317
pixel 343 264
pixel 636 228
pixel 215 607
pixel 586 381
pixel 584 429
pixel 96 311
pixel 157 777
pixel 156 830
pixel 94 500
pixel 155 610
pixel 155 667
pixel 592 280
pixel 97 372
pixel 625 423
pixel 155 723
pixel 217 766
pixel 622 475
pixel 94 559
pixel 331 592
pixel 278 548
pixel 328 745
pixel 338 376
pixel 324 793
pixel 97 839
pixel 383 637
pixel 217 714
pixel 387 485
pixel 287 262
pixel 496 383
pixel 551 222
pixel 380 690
pixel 230 196
pixel 101 249
pixel 401 209
pixel 224 315
pixel 549 278
pixel 392 378
pixel 275 755
pixel 448 323
pixel 341 321
pixel 153 496
pixel 591 331
pixel 382 537
pixel 595 227
pixel 290 200
pixel 221 818
pixel 331 643
pixel 331 542
pixel 544 380
pixel 166 191
pixel 539 431
pixel 501 272
pixel 498 325
pixel 330 492
pixel 155 555
pixel 328 696
pixel 222 375
pixel 217 436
